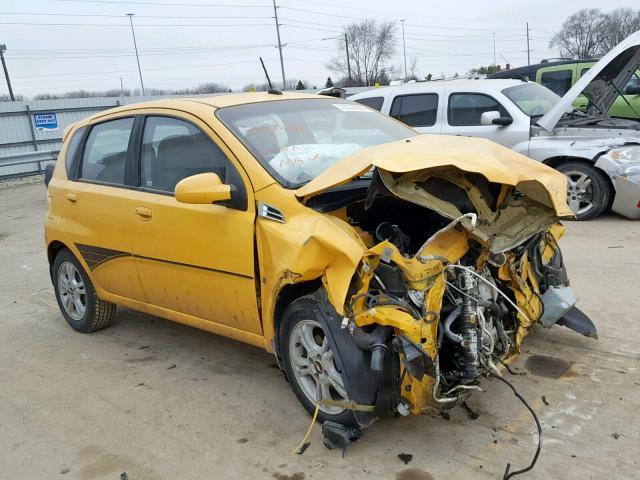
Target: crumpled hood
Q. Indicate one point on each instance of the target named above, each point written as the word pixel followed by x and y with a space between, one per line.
pixel 476 155
pixel 599 84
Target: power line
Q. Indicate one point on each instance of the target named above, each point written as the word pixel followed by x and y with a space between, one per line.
pixel 140 25
pixel 172 4
pixel 101 15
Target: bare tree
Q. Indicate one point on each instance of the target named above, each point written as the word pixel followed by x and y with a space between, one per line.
pixel 371 47
pixel 620 23
pixel 582 35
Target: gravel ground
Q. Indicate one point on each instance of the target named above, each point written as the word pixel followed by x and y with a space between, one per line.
pixel 86 407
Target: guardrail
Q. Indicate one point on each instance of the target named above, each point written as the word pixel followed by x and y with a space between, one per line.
pixel 29 163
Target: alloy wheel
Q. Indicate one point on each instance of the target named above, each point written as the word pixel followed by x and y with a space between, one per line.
pixel 72 291
pixel 579 192
pixel 313 366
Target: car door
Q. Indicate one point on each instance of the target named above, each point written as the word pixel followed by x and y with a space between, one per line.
pixel 418 110
pixel 464 113
pixel 197 260
pixel 98 199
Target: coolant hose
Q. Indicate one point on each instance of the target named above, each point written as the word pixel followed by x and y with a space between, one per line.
pixel 454 337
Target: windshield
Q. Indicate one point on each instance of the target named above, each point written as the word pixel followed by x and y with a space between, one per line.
pixel 532 98
pixel 296 140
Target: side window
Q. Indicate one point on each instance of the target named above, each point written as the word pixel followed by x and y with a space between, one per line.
pixel 416 110
pixel 105 153
pixel 174 149
pixel 558 81
pixel 72 150
pixel 583 71
pixel 466 109
pixel 373 102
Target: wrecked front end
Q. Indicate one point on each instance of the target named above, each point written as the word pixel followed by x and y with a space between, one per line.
pixel 457 271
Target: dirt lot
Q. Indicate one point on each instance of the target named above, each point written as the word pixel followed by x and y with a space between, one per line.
pixel 162 401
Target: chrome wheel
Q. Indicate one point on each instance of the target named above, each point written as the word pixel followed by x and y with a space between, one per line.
pixel 579 192
pixel 72 291
pixel 313 366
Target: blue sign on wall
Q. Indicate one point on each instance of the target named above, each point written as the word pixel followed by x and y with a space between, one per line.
pixel 45 121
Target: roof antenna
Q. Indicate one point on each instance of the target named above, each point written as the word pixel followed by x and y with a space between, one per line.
pixel 272 90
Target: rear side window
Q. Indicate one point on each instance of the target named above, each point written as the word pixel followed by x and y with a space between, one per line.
pixel 173 149
pixel 466 109
pixel 558 81
pixel 105 153
pixel 373 102
pixel 72 150
pixel 416 110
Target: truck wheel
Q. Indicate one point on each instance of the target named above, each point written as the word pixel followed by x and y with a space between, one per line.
pixel 588 191
pixel 309 363
pixel 77 298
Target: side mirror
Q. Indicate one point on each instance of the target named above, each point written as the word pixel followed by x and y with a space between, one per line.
pixel 492 117
pixel 204 188
pixel 48 173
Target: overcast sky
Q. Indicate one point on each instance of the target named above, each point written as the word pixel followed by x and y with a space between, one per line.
pixel 184 43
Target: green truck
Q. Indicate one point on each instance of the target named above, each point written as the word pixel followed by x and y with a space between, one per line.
pixel 560 75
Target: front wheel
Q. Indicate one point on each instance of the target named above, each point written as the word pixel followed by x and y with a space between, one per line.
pixel 588 192
pixel 309 362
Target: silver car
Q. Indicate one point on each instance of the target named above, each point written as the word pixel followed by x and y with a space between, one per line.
pixel 599 155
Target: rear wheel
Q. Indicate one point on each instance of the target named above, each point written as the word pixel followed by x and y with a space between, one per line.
pixel 77 298
pixel 309 362
pixel 588 192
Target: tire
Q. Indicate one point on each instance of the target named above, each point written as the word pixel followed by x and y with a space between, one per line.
pixel 76 296
pixel 305 348
pixel 590 201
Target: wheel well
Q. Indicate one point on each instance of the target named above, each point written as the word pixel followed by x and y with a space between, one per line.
pixel 555 162
pixel 288 294
pixel 53 249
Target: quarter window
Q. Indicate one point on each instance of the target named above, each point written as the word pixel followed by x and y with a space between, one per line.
pixel 416 110
pixel 105 153
pixel 72 150
pixel 466 109
pixel 558 81
pixel 173 149
pixel 373 102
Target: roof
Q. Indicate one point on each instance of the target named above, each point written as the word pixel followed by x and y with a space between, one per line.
pixel 215 101
pixel 526 69
pixel 432 85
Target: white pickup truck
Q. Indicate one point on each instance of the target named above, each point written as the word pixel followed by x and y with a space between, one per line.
pixel 600 155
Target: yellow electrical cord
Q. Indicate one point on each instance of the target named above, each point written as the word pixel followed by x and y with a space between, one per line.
pixel 313 422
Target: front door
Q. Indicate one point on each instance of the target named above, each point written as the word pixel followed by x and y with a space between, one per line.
pixel 197 260
pixel 463 117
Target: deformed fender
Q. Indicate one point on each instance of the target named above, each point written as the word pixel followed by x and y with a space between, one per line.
pixel 306 248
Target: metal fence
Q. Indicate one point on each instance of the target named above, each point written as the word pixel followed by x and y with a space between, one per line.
pixel 31 131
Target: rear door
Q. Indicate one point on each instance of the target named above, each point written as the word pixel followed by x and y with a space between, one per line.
pixel 98 198
pixel 197 260
pixel 418 110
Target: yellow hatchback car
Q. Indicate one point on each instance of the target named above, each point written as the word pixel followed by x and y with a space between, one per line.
pixel 387 271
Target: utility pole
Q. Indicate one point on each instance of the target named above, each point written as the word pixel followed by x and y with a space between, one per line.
pixel 3 47
pixel 346 46
pixel 404 51
pixel 121 87
pixel 528 49
pixel 275 13
pixel 135 45
pixel 494 49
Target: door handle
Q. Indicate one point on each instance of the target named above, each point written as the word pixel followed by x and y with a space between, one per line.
pixel 143 212
pixel 71 197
